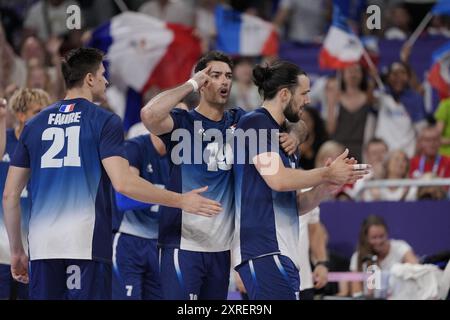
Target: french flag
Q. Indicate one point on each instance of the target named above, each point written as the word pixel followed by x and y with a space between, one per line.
pixel 439 74
pixel 341 46
pixel 243 34
pixel 144 52
pixel 66 108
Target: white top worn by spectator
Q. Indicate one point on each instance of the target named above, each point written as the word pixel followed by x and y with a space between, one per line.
pixel 56 19
pixel 395 126
pixel 418 282
pixel 306 276
pixel 397 251
pixel 307 20
pixel 175 11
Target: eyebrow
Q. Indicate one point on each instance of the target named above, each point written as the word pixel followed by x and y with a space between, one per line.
pixel 220 72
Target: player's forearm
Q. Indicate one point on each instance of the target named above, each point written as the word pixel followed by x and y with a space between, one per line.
pixel 306 201
pixel 158 108
pixel 295 179
pixel 317 242
pixel 11 213
pixel 139 189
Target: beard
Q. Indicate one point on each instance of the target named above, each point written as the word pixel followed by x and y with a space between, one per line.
pixel 290 113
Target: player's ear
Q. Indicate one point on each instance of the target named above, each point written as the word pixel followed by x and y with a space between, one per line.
pixel 89 79
pixel 285 95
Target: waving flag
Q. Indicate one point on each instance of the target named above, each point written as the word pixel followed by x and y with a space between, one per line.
pixel 143 52
pixel 341 46
pixel 439 75
pixel 243 34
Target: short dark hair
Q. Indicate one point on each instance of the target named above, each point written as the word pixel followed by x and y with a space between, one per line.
pixel 78 63
pixel 213 56
pixel 273 77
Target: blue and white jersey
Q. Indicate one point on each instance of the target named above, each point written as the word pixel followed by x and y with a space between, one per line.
pixel 207 163
pixel 71 192
pixel 266 220
pixel 25 201
pixel 153 167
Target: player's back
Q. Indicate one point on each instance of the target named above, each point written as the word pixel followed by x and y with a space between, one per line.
pixel 71 194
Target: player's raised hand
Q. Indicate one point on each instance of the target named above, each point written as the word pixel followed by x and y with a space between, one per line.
pixel 341 170
pixel 202 77
pixel 19 267
pixel 193 202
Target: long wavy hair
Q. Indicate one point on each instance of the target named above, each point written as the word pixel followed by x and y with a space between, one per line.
pixel 364 248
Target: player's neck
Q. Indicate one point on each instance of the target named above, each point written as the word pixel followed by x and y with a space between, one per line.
pixel 214 113
pixel 18 130
pixel 275 111
pixel 76 93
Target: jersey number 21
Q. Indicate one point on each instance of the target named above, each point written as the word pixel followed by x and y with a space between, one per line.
pixel 58 136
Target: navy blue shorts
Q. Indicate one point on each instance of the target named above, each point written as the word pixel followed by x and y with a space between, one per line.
pixel 10 289
pixel 70 279
pixel 272 277
pixel 135 268
pixel 191 275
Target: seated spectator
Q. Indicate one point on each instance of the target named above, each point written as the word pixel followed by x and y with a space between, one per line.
pixel 395 167
pixel 401 112
pixel 170 11
pixel 429 159
pixel 374 241
pixel 244 93
pixel 442 116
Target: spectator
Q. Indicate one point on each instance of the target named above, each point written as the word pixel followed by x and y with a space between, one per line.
pixel 43 63
pixel 205 22
pixel 316 136
pixel 244 93
pixel 307 20
pixel 442 116
pixel 48 18
pixel 352 122
pixel 429 159
pixel 12 69
pixel 401 111
pixel 396 167
pixel 374 241
pixel 375 152
pixel 174 11
pixel 400 23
